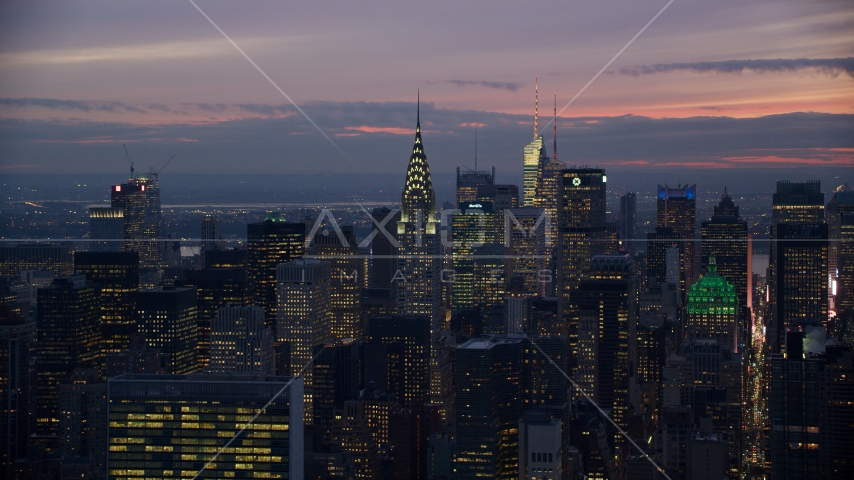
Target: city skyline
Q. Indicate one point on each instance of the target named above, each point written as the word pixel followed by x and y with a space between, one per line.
pixel 671 297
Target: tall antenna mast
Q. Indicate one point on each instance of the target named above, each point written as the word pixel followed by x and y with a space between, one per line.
pixel 554 147
pixel 536 104
pixel 475 149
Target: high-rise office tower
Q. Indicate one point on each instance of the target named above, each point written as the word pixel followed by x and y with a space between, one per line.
pixel 664 256
pixel 210 227
pixel 131 199
pixel 336 377
pixel 495 378
pixel 581 227
pixel 712 309
pixel 304 315
pixel 547 189
pixel 725 237
pixel 533 158
pixel 840 205
pixel 412 333
pixel 190 418
pixel 502 198
pixel 810 407
pixel 793 202
pixel 383 262
pixel 106 229
pixel 270 243
pixel 69 336
pixel 347 273
pixel 167 318
pixel 468 181
pixel 34 256
pixel 471 228
pixel 240 342
pixel 419 262
pixel 800 277
pixel 489 282
pixel 17 340
pixel 150 245
pixel 117 276
pixel 215 289
pixel 600 334
pixel 677 208
pixel 627 227
pixel 527 249
pixel 547 198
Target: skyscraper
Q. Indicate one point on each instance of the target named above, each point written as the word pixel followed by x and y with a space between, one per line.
pixel 677 208
pixel 533 158
pixel 581 227
pixel 69 336
pixel 131 199
pixel 117 276
pixel 725 237
pixel 150 246
pixel 468 181
pixel 412 333
pixel 210 224
pixel 627 227
pixel 471 228
pixel 240 342
pixel 810 407
pixel 172 426
pixel 419 261
pixel 17 339
pixel 800 277
pixel 793 202
pixel 601 332
pixel 346 275
pixel 215 288
pixel 270 243
pixel 547 189
pixel 527 246
pixel 106 229
pixel 712 309
pixel 167 318
pixel 336 377
pixel 304 314
pixel 493 379
pixel 502 197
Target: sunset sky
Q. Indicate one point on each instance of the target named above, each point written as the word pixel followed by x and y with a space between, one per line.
pixel 721 84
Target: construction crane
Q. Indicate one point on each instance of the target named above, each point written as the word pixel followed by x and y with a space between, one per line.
pixel 156 173
pixel 127 155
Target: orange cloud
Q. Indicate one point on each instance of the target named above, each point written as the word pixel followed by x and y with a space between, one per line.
pixel 392 130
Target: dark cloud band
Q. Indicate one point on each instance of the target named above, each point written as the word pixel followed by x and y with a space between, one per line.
pixel 826 66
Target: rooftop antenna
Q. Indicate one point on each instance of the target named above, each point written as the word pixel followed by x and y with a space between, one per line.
pixel 127 155
pixel 536 104
pixel 554 147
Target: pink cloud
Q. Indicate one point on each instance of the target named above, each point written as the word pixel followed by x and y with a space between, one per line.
pixel 392 130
